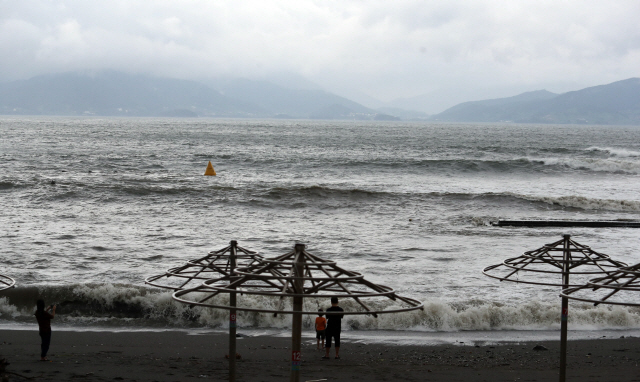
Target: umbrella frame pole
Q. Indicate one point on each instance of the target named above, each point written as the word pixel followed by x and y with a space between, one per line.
pixel 232 315
pixel 565 310
pixel 296 325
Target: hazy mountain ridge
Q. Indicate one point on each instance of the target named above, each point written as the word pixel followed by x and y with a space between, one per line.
pixel 297 103
pixel 617 103
pixel 115 94
pixel 118 94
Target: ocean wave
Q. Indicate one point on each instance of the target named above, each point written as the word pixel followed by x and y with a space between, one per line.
pixel 323 192
pixel 332 194
pixel 572 201
pixel 615 151
pixel 300 195
pixel 6 185
pixel 612 165
pixel 448 166
pixel 112 191
pixel 615 160
pixel 509 164
pixel 155 189
pixel 581 202
pixel 136 306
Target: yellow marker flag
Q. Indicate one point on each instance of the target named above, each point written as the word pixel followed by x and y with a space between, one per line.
pixel 210 171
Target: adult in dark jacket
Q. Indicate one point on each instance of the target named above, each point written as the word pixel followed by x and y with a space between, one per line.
pixel 44 317
pixel 334 326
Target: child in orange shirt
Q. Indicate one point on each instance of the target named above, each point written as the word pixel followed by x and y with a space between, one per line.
pixel 321 325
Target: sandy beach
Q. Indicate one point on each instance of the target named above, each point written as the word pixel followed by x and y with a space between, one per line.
pixel 179 356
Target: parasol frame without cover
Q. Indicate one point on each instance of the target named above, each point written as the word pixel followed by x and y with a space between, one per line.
pixel 216 264
pixel 549 259
pixel 624 281
pixel 6 282
pixel 278 278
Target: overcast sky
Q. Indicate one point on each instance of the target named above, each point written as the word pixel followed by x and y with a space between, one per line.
pixel 382 49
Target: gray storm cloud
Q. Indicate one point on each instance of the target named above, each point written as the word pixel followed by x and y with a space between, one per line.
pixel 379 48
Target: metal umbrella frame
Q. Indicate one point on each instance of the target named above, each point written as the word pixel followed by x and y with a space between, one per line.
pixel 214 265
pixel 222 265
pixel 559 258
pixel 274 278
pixel 556 255
pixel 298 275
pixel 617 288
pixel 6 282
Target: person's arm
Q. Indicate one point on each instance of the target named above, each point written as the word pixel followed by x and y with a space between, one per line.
pixel 53 311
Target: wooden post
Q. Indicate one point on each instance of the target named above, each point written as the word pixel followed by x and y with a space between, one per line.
pixel 296 326
pixel 232 315
pixel 566 257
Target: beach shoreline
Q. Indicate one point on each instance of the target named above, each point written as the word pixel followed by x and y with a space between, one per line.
pixel 185 356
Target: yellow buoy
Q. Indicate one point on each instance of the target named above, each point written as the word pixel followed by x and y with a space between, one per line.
pixel 210 171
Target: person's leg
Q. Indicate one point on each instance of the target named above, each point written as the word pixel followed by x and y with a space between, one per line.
pixel 327 345
pixel 44 346
pixel 42 353
pixel 337 338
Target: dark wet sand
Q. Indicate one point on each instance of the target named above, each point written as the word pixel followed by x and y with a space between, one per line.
pixel 177 356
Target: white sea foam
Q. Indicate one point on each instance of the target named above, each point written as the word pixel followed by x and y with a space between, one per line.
pixel 7 310
pixel 126 306
pixel 614 151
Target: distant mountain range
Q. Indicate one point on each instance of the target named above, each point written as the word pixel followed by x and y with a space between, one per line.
pixel 118 94
pixel 299 103
pixel 113 93
pixel 617 103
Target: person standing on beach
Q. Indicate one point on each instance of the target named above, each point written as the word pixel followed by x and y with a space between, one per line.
pixel 321 325
pixel 44 317
pixel 334 326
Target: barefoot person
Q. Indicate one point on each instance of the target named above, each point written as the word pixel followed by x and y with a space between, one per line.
pixel 44 317
pixel 333 327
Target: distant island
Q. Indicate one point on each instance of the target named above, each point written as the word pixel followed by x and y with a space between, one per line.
pixel 110 93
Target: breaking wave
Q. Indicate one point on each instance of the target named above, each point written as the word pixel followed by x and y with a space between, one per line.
pixel 611 165
pixel 585 203
pixel 617 152
pixel 134 306
pixel 300 195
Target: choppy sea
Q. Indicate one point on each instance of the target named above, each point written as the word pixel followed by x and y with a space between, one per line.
pixel 90 207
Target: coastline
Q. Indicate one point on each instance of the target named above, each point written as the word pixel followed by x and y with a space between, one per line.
pixel 185 356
